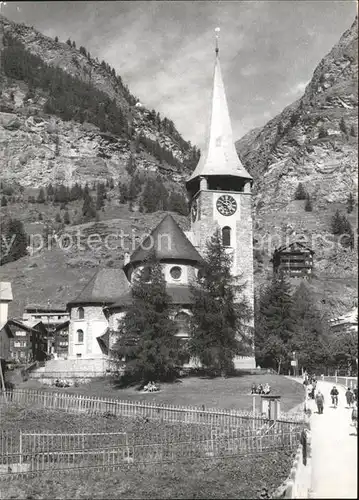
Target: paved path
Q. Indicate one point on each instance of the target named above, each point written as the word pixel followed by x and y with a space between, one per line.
pixel 334 448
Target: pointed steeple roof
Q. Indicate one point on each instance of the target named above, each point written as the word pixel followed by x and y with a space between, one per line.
pixel 168 241
pixel 219 156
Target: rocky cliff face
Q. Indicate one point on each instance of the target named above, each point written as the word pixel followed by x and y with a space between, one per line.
pixel 306 142
pixel 38 148
pixel 313 141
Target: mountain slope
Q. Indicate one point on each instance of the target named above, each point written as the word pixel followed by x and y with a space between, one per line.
pixel 48 132
pixel 313 141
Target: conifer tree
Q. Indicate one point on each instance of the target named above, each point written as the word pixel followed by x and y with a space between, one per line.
pixel 3 201
pixel 308 207
pixel 66 219
pixel 50 191
pixel 41 196
pixel 309 340
pixel 350 203
pixel 274 325
pixel 322 132
pixel 58 217
pixel 352 131
pixel 300 193
pixel 123 193
pixel 343 126
pixel 177 203
pixel 147 339
pixel 16 239
pixel 337 223
pixel 88 208
pixel 100 195
pixel 219 330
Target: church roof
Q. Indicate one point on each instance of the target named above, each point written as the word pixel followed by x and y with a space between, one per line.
pixel 180 295
pixel 103 288
pixel 294 246
pixel 219 156
pixel 168 241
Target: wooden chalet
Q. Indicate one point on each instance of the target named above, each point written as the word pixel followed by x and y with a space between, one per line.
pixel 294 260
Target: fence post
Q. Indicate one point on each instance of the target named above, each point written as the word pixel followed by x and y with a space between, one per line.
pixel 20 448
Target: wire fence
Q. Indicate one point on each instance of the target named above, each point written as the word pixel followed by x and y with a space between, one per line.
pixel 207 433
pixel 37 452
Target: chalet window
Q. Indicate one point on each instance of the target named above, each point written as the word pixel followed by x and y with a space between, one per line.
pixel 226 236
pixel 81 312
pixel 80 336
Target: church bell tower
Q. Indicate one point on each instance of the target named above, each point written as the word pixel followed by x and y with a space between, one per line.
pixel 220 194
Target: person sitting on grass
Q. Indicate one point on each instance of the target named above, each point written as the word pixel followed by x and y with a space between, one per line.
pixel 266 389
pixel 260 389
pixel 254 389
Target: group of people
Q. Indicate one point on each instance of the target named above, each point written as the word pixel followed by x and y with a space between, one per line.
pixel 150 387
pixel 259 389
pixel 310 381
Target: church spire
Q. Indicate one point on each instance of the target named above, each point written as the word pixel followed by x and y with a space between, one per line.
pixel 219 157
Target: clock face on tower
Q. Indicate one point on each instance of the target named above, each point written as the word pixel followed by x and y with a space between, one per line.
pixel 226 205
pixel 194 210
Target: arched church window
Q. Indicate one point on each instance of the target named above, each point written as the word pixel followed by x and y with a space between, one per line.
pixel 200 274
pixel 226 236
pixel 80 336
pixel 81 312
pixel 182 319
pixel 176 272
pixel 146 273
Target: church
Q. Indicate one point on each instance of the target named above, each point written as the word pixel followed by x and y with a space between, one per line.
pixel 219 190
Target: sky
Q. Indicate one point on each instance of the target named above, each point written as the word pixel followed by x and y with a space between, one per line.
pixel 164 50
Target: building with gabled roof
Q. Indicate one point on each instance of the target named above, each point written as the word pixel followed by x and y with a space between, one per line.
pixel 88 321
pixel 294 260
pixel 347 322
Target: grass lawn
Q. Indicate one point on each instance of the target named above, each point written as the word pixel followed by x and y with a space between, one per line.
pixel 228 393
pixel 230 478
pixel 235 477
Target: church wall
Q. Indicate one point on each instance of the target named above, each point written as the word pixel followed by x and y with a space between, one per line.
pixel 93 325
pixel 3 312
pixel 114 318
pixel 188 273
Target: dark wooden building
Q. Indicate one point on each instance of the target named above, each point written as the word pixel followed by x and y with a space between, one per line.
pixel 294 260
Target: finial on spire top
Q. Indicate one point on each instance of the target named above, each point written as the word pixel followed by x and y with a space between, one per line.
pixel 217 30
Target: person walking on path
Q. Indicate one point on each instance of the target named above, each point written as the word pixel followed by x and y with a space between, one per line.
pixel 355 416
pixel 349 397
pixel 319 399
pixel 334 394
